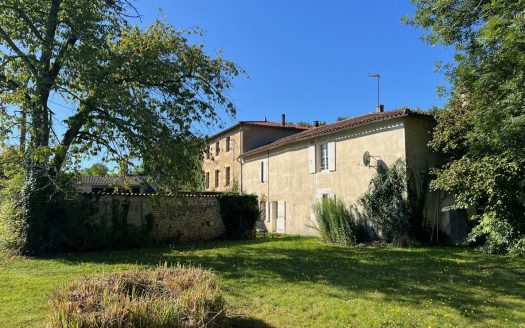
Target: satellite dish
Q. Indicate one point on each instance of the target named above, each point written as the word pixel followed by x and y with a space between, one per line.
pixel 366 158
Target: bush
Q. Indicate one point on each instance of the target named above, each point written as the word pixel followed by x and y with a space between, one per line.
pixel 385 204
pixel 12 226
pixel 336 223
pixel 239 214
pixel 178 297
pixel 75 225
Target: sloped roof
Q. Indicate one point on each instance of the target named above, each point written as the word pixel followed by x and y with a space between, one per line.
pixel 261 123
pixel 112 181
pixel 337 126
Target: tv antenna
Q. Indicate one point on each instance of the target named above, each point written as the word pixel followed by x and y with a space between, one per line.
pixel 377 76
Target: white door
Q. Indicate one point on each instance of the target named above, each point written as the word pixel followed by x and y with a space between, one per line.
pixel 281 216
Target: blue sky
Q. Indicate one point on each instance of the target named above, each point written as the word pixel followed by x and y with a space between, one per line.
pixel 311 59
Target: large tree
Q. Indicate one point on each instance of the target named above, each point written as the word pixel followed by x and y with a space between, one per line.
pixel 134 95
pixel 482 129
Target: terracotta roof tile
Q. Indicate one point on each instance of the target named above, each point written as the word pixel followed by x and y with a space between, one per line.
pixel 111 181
pixel 334 127
pixel 260 123
pixel 275 124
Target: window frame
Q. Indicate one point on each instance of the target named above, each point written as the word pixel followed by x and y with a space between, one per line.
pixel 227 175
pixel 228 140
pixel 262 171
pixel 207 180
pixel 323 157
pixel 217 178
pixel 217 148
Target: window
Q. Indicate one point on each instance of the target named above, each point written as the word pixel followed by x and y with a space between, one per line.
pixel 264 170
pixel 323 158
pixel 217 172
pixel 227 176
pixel 207 180
pixel 208 153
pixel 217 149
pixel 227 143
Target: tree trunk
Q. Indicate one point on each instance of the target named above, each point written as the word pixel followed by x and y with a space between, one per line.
pixel 38 186
pixel 35 201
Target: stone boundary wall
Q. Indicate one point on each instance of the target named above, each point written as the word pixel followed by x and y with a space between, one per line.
pixel 185 217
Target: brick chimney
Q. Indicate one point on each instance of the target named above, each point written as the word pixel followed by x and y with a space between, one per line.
pixel 380 108
pixel 283 120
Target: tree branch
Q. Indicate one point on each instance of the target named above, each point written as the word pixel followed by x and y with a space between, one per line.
pixel 52 23
pixel 19 52
pixel 28 22
pixel 57 65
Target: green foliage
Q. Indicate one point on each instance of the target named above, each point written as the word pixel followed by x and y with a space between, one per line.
pixel 160 298
pixel 308 124
pixel 482 129
pixel 133 95
pixel 336 223
pixel 385 203
pixel 239 214
pixel 95 170
pixel 76 225
pixel 13 228
pixel 235 186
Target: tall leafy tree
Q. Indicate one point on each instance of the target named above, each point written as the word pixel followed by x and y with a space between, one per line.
pixel 129 93
pixel 96 169
pixel 482 129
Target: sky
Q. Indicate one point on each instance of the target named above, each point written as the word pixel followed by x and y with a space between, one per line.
pixel 310 59
pixel 307 59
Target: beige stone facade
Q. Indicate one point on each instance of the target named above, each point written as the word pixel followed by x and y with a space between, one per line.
pixel 292 174
pixel 290 169
pixel 221 165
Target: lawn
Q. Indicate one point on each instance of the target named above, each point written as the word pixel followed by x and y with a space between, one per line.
pixel 285 281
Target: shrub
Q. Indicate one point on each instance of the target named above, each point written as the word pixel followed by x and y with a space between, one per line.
pixel 177 297
pixel 12 226
pixel 75 225
pixel 239 214
pixel 336 223
pixel 385 203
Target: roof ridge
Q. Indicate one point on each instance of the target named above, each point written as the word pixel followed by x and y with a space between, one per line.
pixel 334 127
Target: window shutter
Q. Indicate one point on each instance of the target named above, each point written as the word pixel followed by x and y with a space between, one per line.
pixel 331 156
pixel 311 158
pixel 267 212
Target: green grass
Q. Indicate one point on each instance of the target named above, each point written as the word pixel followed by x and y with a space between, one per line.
pixel 286 281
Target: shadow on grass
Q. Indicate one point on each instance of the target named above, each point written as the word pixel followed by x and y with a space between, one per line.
pixel 456 277
pixel 243 322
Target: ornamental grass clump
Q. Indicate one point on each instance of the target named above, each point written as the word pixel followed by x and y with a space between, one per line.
pixel 336 223
pixel 164 297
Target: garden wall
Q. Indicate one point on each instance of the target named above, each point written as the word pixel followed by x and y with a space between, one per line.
pixel 185 217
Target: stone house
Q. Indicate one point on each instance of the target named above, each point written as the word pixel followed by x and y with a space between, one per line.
pixel 338 160
pixel 222 164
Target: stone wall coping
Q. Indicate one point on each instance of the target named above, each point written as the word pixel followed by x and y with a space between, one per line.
pixel 178 194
